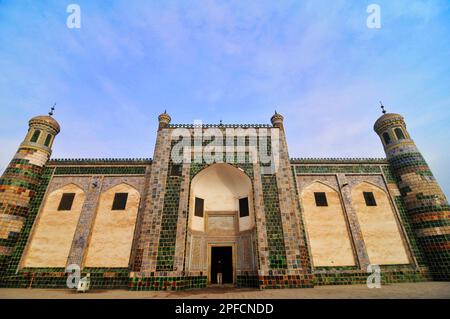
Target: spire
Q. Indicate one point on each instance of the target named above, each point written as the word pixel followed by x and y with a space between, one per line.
pixel 52 110
pixel 382 108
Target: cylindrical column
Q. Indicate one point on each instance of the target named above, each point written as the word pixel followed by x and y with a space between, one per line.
pixel 164 120
pixel 20 179
pixel 277 120
pixel 427 205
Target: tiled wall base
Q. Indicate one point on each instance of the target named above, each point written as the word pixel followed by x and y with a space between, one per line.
pixel 112 279
pixel 101 278
pixel 437 252
pixel 108 278
pixel 286 281
pixel 250 281
pixel 357 276
pixel 36 278
pixel 118 279
pixel 167 283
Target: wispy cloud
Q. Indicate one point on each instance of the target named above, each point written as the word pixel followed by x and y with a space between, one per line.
pixel 314 61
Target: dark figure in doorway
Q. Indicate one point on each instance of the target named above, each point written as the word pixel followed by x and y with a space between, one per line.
pixel 219 272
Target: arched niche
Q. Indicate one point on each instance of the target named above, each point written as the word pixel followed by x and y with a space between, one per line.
pixel 221 186
pixel 112 234
pixel 54 229
pixel 378 224
pixel 326 227
pixel 220 224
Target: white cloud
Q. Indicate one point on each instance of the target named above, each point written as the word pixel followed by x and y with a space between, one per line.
pixel 315 61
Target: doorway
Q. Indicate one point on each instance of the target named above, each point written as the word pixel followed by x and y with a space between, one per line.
pixel 225 256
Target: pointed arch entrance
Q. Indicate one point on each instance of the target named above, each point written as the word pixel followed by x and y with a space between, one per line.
pixel 221 226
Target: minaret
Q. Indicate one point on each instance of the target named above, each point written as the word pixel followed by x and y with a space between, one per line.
pixel 293 233
pixel 164 120
pixel 20 179
pixel 277 120
pixel 427 206
pixel 152 215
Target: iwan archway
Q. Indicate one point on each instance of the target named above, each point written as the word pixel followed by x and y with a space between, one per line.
pixel 221 232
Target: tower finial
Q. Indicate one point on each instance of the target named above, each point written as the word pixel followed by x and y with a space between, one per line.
pixel 164 120
pixel 382 108
pixel 277 120
pixel 52 110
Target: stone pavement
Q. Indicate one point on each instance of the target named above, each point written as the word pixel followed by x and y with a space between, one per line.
pixel 432 290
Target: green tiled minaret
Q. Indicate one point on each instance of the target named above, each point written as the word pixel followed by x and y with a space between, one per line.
pixel 20 180
pixel 427 206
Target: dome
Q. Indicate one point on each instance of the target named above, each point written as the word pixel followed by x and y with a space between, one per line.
pixel 46 120
pixel 164 117
pixel 276 118
pixel 385 119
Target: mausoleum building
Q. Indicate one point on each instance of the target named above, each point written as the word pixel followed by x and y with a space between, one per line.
pixel 221 192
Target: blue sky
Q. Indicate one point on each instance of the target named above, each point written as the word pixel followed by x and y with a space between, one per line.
pixel 316 62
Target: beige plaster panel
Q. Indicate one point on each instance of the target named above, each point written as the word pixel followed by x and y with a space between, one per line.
pixel 197 223
pixel 221 224
pixel 326 228
pixel 54 230
pixel 378 226
pixel 113 230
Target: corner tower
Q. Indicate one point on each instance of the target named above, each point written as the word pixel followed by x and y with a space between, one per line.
pixel 21 178
pixel 163 120
pixel 427 206
pixel 277 120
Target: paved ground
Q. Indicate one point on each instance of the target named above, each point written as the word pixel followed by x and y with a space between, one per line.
pixel 407 290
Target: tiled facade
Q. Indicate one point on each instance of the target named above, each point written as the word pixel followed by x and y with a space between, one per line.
pixel 280 249
pixel 426 204
pixel 348 174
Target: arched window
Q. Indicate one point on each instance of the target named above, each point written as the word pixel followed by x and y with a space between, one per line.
pixel 386 138
pixel 35 136
pixel 48 140
pixel 399 133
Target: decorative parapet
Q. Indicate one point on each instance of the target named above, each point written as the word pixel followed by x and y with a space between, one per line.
pixel 339 161
pixel 99 161
pixel 220 126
